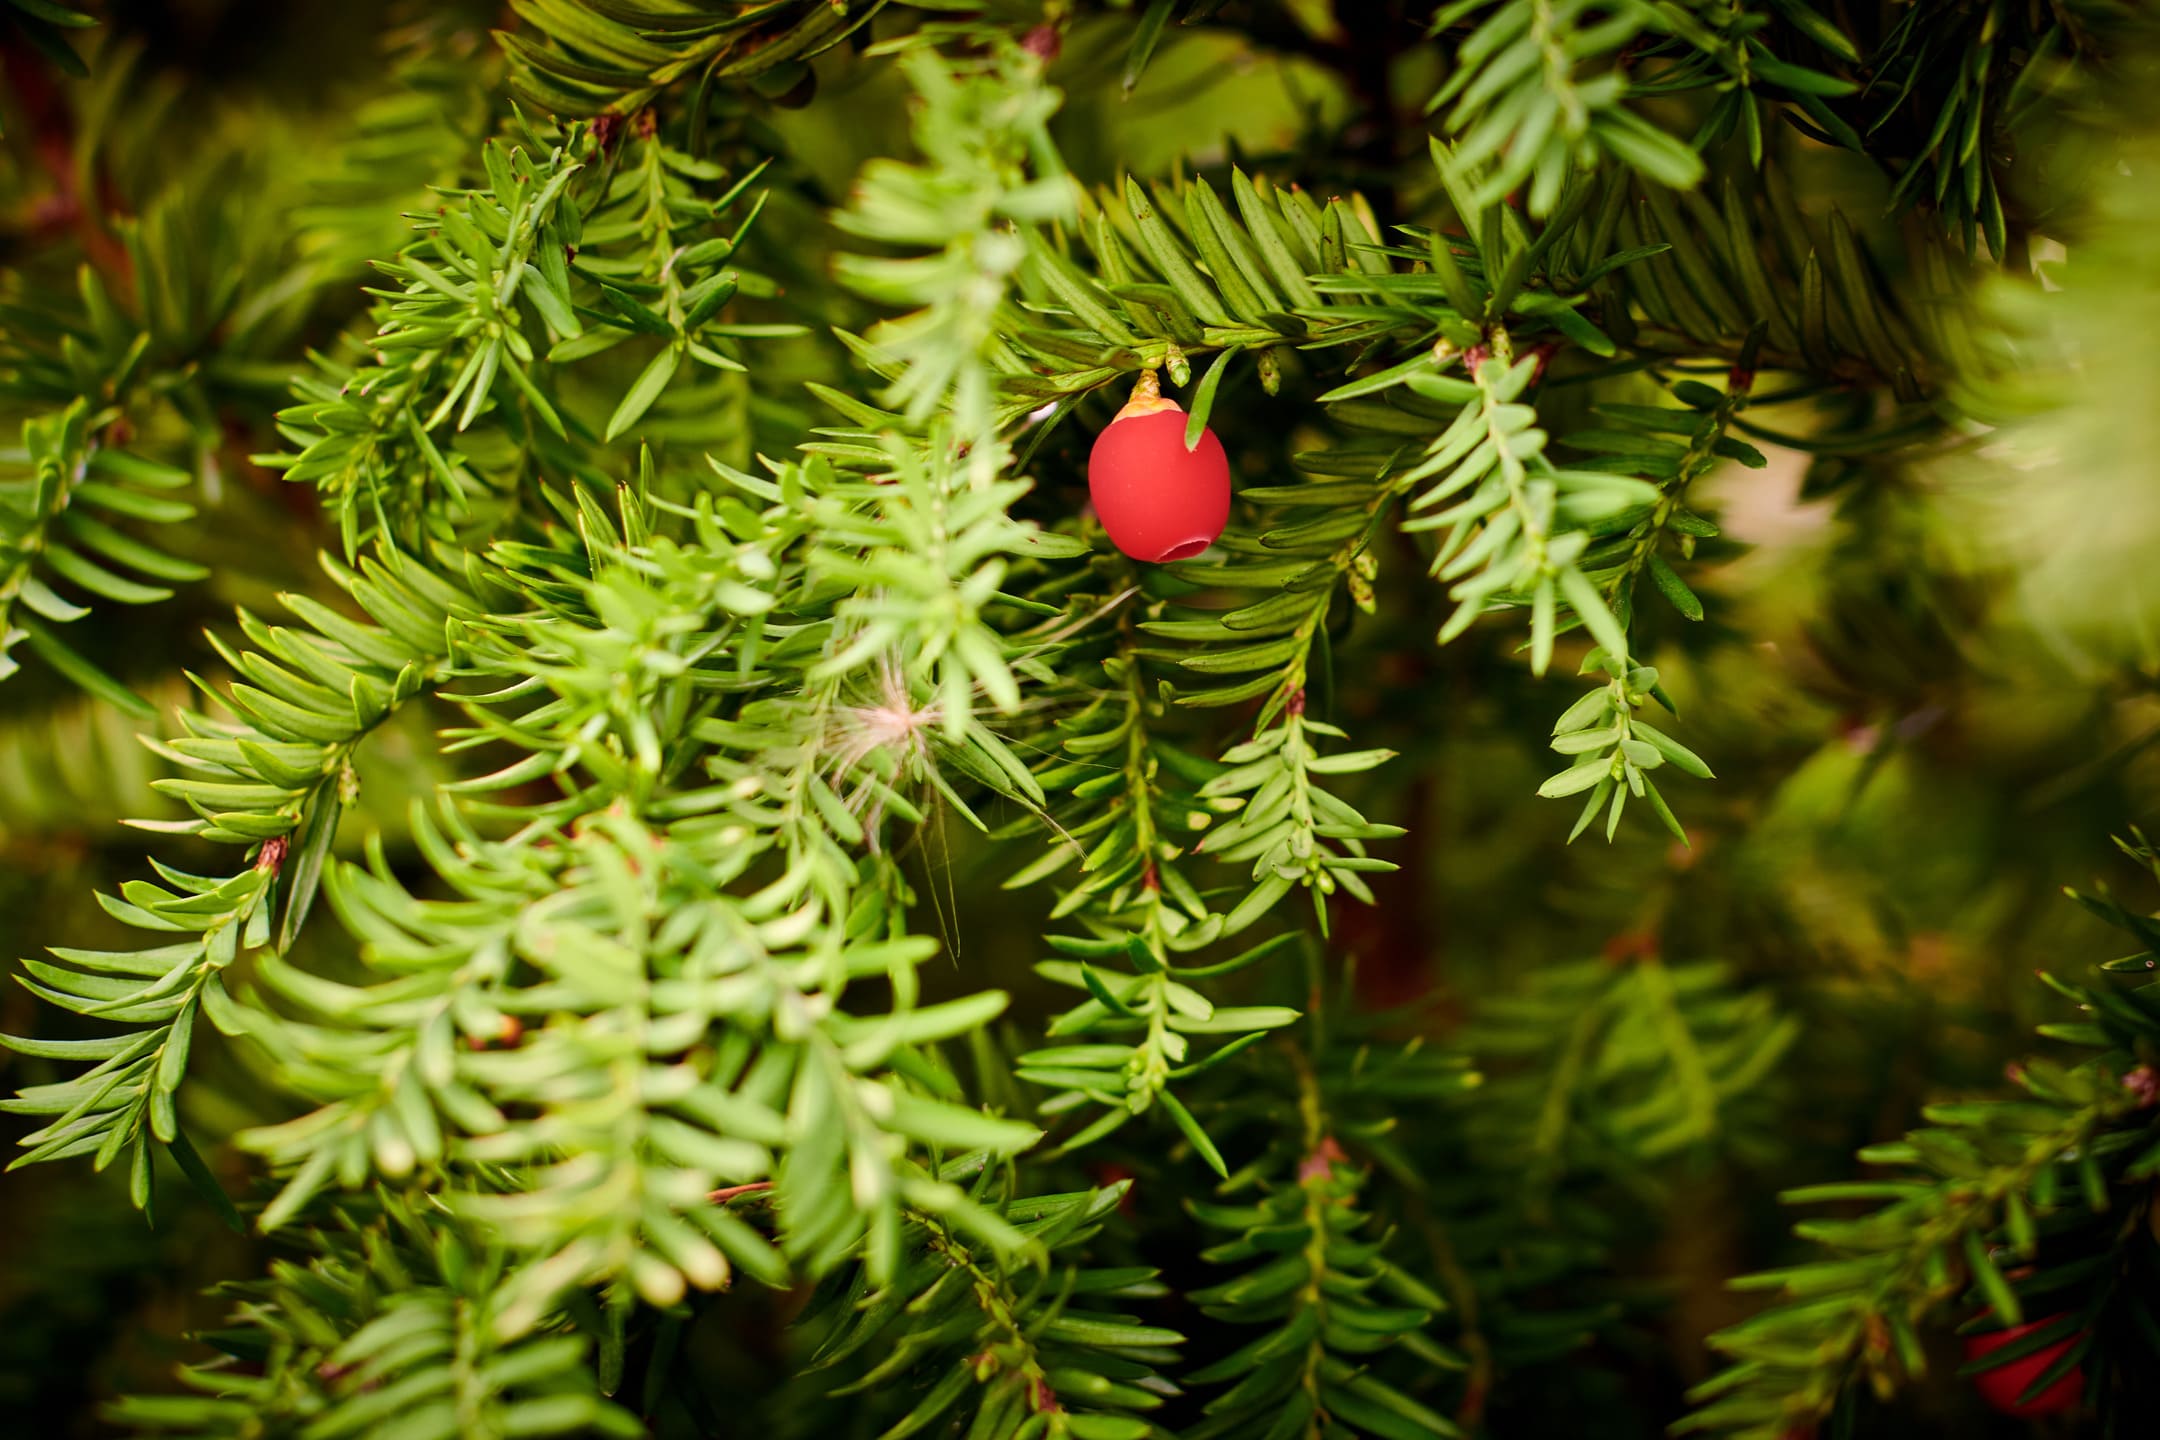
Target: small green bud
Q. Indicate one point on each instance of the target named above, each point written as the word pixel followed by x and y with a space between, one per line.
pixel 1179 367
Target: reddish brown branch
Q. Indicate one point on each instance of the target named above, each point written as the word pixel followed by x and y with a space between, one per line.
pixel 51 122
pixel 734 1192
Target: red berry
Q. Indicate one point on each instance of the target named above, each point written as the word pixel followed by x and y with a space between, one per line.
pixel 2002 1385
pixel 1158 500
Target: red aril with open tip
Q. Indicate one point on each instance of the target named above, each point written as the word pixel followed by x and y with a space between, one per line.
pixel 1158 500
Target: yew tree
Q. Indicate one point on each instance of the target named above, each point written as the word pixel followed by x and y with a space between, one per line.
pixel 1080 718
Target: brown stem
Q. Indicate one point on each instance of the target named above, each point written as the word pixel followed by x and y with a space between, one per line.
pixel 734 1192
pixel 51 122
